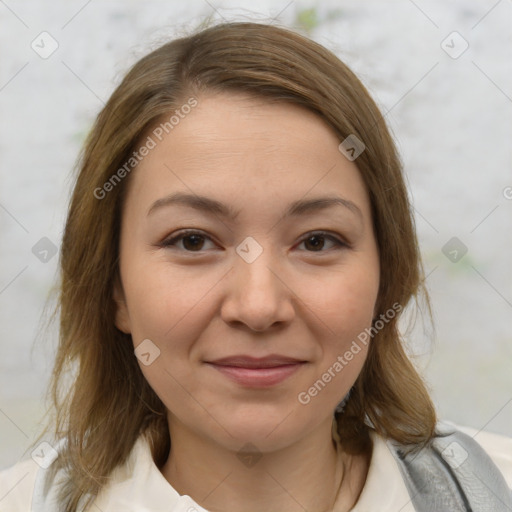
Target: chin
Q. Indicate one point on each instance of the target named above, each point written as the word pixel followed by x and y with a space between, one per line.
pixel 268 431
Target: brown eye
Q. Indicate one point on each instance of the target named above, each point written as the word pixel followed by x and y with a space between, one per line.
pixel 192 241
pixel 315 242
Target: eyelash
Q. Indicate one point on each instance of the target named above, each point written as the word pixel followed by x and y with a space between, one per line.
pixel 169 242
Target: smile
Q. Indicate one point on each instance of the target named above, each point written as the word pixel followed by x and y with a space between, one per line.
pixel 258 377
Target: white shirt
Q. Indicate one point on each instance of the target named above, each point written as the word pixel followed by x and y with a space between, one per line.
pixel 139 486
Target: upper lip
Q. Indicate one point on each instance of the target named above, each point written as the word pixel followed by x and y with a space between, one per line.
pixel 244 361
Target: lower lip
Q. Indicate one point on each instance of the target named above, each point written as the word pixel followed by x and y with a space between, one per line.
pixel 258 377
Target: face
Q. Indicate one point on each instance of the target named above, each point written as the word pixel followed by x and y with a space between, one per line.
pixel 226 252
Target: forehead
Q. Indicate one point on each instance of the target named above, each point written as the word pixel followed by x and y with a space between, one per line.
pixel 246 149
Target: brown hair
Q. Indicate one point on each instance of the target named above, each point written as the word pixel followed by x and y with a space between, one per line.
pixel 109 403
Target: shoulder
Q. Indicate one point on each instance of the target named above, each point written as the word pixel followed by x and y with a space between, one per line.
pixel 497 446
pixel 137 484
pixel 17 486
pixel 457 469
pixel 23 486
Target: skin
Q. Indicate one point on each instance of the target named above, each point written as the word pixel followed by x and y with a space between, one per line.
pixel 198 300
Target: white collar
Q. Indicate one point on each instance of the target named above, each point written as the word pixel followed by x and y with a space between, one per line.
pixel 384 489
pixel 139 485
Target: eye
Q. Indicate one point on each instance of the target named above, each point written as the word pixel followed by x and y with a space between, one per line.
pixel 316 241
pixel 194 241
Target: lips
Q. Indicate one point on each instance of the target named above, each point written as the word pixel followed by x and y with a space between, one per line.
pixel 252 372
pixel 243 361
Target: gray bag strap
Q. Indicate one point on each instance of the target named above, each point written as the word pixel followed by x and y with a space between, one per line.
pixel 43 501
pixel 452 474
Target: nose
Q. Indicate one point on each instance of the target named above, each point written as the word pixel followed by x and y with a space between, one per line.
pixel 257 295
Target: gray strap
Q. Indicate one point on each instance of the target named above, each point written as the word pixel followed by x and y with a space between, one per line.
pixel 453 474
pixel 46 501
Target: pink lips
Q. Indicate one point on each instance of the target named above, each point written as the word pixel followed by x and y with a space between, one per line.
pixel 257 372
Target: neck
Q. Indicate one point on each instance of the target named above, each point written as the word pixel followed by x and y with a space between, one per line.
pixel 307 475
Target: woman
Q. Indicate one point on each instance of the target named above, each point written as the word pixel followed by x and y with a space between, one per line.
pixel 238 251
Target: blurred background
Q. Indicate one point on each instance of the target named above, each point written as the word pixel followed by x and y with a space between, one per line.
pixel 440 72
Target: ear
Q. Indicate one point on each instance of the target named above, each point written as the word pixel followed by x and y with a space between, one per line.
pixel 122 318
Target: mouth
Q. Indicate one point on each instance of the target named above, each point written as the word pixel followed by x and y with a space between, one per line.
pixel 253 372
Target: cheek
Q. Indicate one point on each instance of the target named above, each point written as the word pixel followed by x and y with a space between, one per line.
pixel 347 310
pixel 161 299
pixel 345 302
pixel 344 308
pixel 171 309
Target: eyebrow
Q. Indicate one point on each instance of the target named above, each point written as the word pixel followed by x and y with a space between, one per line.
pixel 212 206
